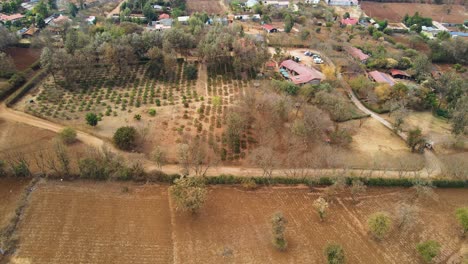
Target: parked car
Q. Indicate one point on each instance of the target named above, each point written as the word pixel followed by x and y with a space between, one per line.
pixel 296 58
pixel 308 53
pixel 318 60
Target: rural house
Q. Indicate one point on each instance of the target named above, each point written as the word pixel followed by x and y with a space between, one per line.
pixel 380 77
pixel 10 18
pixel 269 28
pixel 399 74
pixel 357 54
pixel 300 74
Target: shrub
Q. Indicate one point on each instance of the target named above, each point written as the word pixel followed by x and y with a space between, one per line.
pixel 92 119
pixel 92 169
pixel 152 112
pixel 278 226
pixel 379 224
pixel 21 169
pixel 249 183
pixel 462 217
pixel 428 250
pixel 125 137
pixel 68 135
pixel 334 254
pixel 191 72
pixel 189 193
pixel 137 117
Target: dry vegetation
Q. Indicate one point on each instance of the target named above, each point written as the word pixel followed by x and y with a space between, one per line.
pixel 394 12
pixel 208 6
pixel 131 223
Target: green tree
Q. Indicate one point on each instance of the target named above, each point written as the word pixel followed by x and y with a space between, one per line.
pixel 40 23
pixel 462 217
pixel 189 193
pixel 428 250
pixel 415 140
pixel 459 117
pixel 72 9
pixel 278 227
pixel 92 119
pixel 41 9
pixel 125 137
pixel 334 254
pixel 288 23
pixel 68 135
pixel 379 224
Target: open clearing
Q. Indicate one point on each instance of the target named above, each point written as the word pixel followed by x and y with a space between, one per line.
pixel 99 223
pixel 208 6
pixel 394 12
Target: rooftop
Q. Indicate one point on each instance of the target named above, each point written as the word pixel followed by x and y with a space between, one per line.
pixel 5 17
pixel 268 27
pixel 304 74
pixel 349 21
pixel 394 72
pixel 381 77
pixel 357 53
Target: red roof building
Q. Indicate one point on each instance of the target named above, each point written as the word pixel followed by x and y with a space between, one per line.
pixel 349 21
pixel 269 28
pixel 163 16
pixel 300 74
pixel 10 18
pixel 399 74
pixel 358 54
pixel 381 77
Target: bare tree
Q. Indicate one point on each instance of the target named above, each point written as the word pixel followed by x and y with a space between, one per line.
pixel 159 156
pixel 63 158
pixel 405 215
pixel 183 157
pixel 264 158
pixel 357 188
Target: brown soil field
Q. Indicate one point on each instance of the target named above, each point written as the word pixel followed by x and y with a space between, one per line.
pixel 208 6
pixel 394 12
pixel 23 57
pixel 96 223
pixel 10 194
pixel 99 223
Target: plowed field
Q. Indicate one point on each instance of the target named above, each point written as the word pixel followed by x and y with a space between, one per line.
pixel 99 223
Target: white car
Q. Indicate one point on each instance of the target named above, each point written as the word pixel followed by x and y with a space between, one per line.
pixel 318 60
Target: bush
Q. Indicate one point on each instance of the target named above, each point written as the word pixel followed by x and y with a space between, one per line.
pixel 334 254
pixel 191 72
pixel 189 193
pixel 92 119
pixel 379 224
pixel 92 169
pixel 249 183
pixel 17 79
pixel 278 226
pixel 462 217
pixel 428 250
pixel 125 137
pixel 68 135
pixel 152 112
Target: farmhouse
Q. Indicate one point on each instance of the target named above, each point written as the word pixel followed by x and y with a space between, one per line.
pixel 269 28
pixel 163 16
pixel 10 18
pixel 342 2
pixel 349 21
pixel 399 74
pixel 357 54
pixel 381 77
pixel 300 74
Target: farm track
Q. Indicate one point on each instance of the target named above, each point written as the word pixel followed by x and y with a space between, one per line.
pixel 432 166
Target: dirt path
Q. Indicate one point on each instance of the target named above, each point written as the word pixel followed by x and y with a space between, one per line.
pixel 116 10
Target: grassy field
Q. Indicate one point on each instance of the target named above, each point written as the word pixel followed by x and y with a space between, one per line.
pixel 101 222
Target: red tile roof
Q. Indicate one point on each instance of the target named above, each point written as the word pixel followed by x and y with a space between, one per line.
pixel 381 77
pixel 349 21
pixel 268 27
pixel 4 17
pixel 357 53
pixel 394 72
pixel 303 74
pixel 164 16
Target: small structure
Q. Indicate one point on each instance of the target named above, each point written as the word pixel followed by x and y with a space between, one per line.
pixel 380 77
pixel 270 65
pixel 399 74
pixel 10 18
pixel 30 32
pixel 459 34
pixel 57 25
pixel 312 1
pixel 164 16
pixel 342 2
pixel 269 28
pixel 251 3
pixel 300 74
pixel 91 20
pixel 183 19
pixel 349 21
pixel 157 7
pixel 357 54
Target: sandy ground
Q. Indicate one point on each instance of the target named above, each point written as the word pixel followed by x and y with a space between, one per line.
pixel 394 12
pixel 98 222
